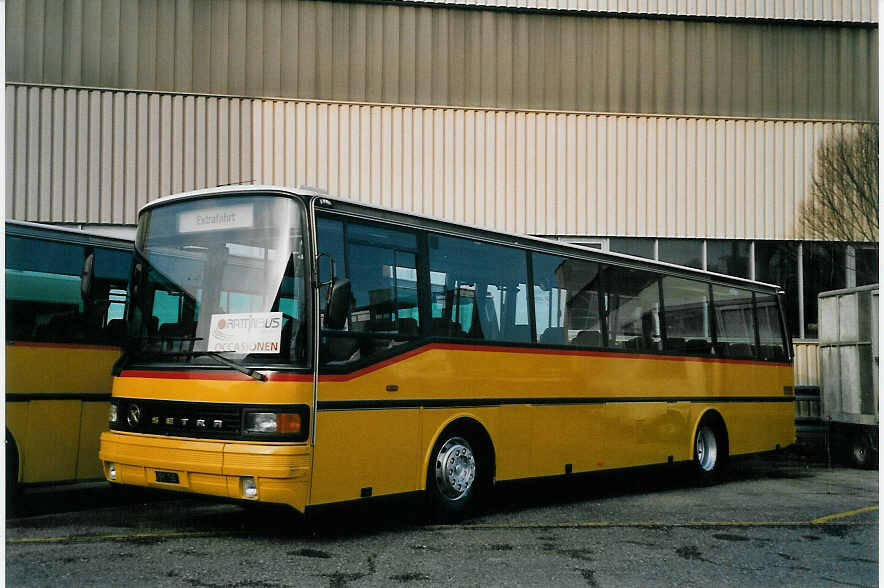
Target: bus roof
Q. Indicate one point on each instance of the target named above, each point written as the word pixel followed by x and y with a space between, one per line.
pixel 45 231
pixel 428 222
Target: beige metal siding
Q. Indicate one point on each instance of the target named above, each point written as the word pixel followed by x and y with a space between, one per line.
pixel 429 55
pixel 96 156
pixel 813 10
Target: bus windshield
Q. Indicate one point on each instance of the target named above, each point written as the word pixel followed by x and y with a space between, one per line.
pixel 223 278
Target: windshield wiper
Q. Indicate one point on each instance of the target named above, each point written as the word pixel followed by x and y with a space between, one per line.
pixel 213 354
pixel 231 363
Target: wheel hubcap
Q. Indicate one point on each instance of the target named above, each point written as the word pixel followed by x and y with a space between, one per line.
pixel 455 468
pixel 706 449
pixel 859 453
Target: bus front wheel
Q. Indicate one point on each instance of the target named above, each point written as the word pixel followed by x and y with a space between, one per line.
pixel 454 476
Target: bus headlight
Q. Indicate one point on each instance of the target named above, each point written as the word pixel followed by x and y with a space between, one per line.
pixel 111 470
pixel 249 487
pixel 274 423
pixel 112 413
pixel 261 422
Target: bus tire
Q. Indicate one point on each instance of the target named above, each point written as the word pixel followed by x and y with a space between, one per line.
pixel 860 450
pixel 455 475
pixel 710 450
pixel 12 487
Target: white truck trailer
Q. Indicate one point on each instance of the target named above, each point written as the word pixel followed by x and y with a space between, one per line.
pixel 848 354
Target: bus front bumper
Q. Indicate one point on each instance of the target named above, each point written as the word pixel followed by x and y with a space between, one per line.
pixel 248 471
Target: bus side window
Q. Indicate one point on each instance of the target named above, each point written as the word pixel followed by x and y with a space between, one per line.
pixel 478 290
pixel 770 332
pixel 686 316
pixel 43 301
pixel 566 301
pixel 734 321
pixel 633 309
pixel 111 277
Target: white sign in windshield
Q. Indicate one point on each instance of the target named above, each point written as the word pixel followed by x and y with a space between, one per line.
pixel 249 332
pixel 216 219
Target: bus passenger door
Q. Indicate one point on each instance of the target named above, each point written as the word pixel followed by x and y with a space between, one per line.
pixel 367 428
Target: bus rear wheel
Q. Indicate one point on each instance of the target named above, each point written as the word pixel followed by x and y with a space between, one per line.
pixel 454 476
pixel 710 452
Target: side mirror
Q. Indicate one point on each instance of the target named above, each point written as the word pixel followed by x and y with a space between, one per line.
pixel 87 277
pixel 135 278
pixel 338 304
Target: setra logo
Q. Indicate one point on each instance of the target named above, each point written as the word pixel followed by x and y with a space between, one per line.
pixel 133 416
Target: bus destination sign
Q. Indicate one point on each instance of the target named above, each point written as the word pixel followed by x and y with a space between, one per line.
pixel 216 219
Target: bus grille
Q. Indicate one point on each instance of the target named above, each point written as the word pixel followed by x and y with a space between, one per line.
pixel 178 419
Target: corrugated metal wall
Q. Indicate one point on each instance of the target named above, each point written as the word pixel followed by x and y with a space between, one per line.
pixel 817 10
pixel 806 363
pixel 429 55
pixel 93 156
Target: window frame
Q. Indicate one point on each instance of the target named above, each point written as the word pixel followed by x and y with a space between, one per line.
pixel 424 229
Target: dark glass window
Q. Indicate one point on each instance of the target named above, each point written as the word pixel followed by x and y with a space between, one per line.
pixel 866 263
pixel 478 290
pixel 633 246
pixel 729 257
pixel 776 262
pixel 735 322
pixel 687 252
pixel 47 257
pixel 566 301
pixel 686 316
pixel 824 267
pixel 381 264
pixel 43 299
pixel 633 309
pixel 769 332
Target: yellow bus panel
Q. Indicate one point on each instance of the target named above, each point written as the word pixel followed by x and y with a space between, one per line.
pixel 56 408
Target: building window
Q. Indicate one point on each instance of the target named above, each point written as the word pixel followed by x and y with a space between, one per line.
pixel 688 252
pixel 776 262
pixel 732 258
pixel 866 266
pixel 633 246
pixel 824 269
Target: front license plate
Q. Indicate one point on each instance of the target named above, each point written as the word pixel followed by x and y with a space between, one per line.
pixel 167 477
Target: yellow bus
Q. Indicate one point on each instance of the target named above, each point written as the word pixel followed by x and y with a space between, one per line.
pixel 294 348
pixel 61 343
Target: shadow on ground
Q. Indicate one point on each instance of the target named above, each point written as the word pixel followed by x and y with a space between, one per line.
pixel 142 510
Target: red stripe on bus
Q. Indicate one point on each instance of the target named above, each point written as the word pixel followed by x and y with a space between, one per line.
pixel 539 351
pixel 196 375
pixel 286 377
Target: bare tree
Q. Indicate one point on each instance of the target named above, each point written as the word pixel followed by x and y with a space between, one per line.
pixel 843 200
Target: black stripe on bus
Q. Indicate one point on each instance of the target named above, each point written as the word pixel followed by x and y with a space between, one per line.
pixel 57 396
pixel 330 405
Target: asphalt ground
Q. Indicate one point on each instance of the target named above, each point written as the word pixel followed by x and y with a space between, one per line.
pixel 785 520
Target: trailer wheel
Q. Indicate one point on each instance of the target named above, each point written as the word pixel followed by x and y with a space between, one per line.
pixel 860 450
